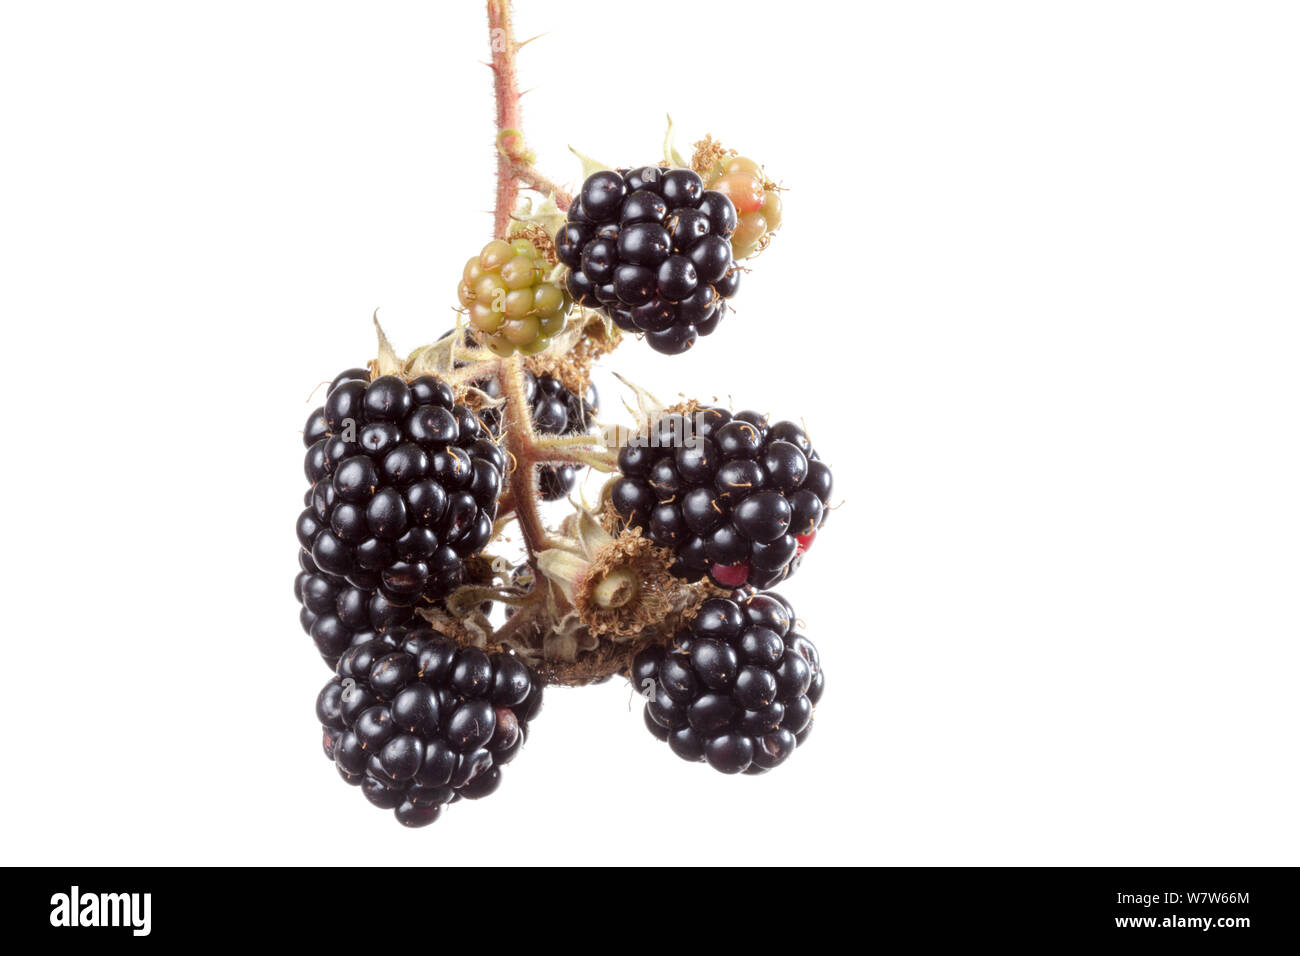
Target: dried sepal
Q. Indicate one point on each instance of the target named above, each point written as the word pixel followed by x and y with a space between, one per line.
pixel 589 165
pixel 448 358
pixel 648 409
pixel 587 337
pixel 590 534
pixel 568 639
pixel 671 156
pixel 386 361
pixel 538 223
pixel 621 585
pixel 563 568
pixel 708 152
pixel 472 630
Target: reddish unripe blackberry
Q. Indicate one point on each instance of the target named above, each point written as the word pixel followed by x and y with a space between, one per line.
pixel 404 488
pixel 736 688
pixel 417 722
pixel 650 247
pixel 730 495
pixel 757 201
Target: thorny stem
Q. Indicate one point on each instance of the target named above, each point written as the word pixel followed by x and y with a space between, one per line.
pixel 521 501
pixel 531 178
pixel 585 451
pixel 528 450
pixel 556 442
pixel 514 169
pixel 501 36
pixel 520 441
pixel 514 162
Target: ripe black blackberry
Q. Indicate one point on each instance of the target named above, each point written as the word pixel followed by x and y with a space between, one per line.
pixel 418 722
pixel 736 688
pixel 404 488
pixel 337 614
pixel 733 497
pixel 651 247
pixel 556 411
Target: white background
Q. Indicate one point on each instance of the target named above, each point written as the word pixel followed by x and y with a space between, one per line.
pixel 1036 297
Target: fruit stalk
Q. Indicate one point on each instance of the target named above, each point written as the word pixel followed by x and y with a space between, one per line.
pixel 514 162
pixel 510 141
pixel 530 177
pixel 520 442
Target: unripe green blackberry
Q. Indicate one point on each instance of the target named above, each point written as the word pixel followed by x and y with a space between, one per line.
pixel 511 304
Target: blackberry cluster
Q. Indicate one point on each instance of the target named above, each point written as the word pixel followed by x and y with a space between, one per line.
pixel 651 248
pixel 404 488
pixel 732 496
pixel 737 688
pixel 556 411
pixel 418 722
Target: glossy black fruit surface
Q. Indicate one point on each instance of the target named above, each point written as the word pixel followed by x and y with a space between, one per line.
pixel 337 614
pixel 732 496
pixel 404 488
pixel 736 689
pixel 417 722
pixel 651 248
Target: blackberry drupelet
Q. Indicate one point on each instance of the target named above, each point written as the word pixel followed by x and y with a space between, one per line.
pixel 730 495
pixel 556 411
pixel 337 614
pixel 650 247
pixel 736 688
pixel 404 488
pixel 418 722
